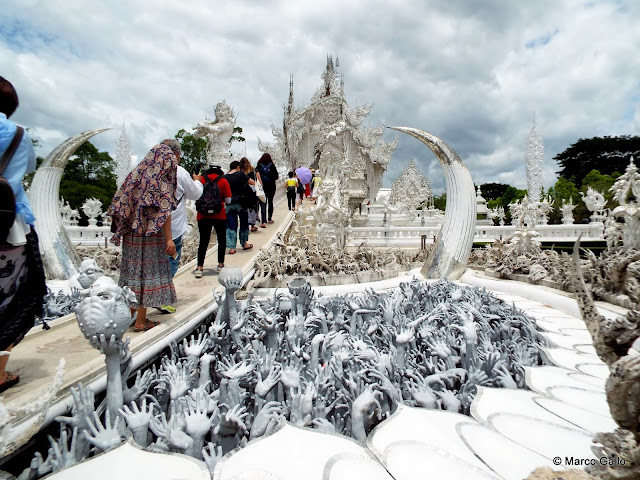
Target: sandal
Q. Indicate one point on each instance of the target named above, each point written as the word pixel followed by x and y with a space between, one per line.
pixel 270 221
pixel 147 326
pixel 11 380
pixel 232 251
pixel 248 246
pixel 263 226
pixel 254 229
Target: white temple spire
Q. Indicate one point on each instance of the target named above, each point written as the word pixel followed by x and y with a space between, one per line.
pixel 534 158
pixel 123 156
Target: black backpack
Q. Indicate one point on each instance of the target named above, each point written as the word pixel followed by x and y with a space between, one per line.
pixel 211 201
pixel 7 197
pixel 265 172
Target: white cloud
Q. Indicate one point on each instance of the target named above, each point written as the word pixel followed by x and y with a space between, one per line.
pixel 474 75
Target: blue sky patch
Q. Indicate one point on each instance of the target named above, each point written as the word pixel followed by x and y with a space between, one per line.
pixel 541 41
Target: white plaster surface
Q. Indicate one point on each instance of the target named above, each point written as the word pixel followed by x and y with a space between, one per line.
pixel 546 438
pixel 492 401
pixel 548 326
pixel 582 398
pixel 586 349
pixel 570 359
pixel 561 340
pixel 290 453
pixel 507 458
pixel 430 427
pixel 598 370
pixel 129 462
pixel 591 380
pixel 584 419
pixel 348 467
pixel 409 460
pixel 540 379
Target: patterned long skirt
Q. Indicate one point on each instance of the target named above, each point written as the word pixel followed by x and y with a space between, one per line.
pixel 145 269
pixel 22 288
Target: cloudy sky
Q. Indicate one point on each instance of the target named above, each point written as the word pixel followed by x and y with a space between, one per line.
pixel 474 73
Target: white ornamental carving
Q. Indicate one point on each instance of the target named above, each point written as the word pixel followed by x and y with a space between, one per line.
pixel 218 133
pixel 626 191
pixel 411 188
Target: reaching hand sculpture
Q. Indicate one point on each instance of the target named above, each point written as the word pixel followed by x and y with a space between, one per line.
pixel 336 364
pixel 103 317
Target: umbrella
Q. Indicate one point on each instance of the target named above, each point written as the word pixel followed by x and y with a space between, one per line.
pixel 304 174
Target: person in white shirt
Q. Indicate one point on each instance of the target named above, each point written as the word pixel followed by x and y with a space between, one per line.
pixel 187 188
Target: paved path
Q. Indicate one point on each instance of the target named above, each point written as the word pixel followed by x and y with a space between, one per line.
pixel 36 358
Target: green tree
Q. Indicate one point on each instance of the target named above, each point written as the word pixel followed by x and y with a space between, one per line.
pixel 606 154
pixel 194 151
pixel 89 173
pixel 493 191
pixel 510 195
pixel 600 182
pixel 563 190
pixel 440 202
pixel 237 137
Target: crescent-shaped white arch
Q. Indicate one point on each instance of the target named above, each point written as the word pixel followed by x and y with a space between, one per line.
pixel 454 242
pixel 59 256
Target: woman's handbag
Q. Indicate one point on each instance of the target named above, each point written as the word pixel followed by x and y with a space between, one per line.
pixel 260 192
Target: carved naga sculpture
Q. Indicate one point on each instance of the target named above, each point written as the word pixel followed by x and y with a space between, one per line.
pixel 617 343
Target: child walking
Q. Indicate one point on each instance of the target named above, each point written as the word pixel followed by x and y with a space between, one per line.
pixel 291 184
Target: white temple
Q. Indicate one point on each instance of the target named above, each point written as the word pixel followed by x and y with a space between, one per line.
pixel 328 136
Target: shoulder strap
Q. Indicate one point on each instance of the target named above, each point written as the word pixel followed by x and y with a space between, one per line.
pixel 13 146
pixel 217 179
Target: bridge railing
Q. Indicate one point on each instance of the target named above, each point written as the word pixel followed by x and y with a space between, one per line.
pixel 414 236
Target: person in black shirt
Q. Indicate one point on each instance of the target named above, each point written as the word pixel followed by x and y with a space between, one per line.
pixel 268 174
pixel 236 210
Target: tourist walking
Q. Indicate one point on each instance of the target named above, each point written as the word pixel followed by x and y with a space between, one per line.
pixel 22 283
pixel 250 200
pixel 268 174
pixel 237 217
pixel 316 181
pixel 299 190
pixel 141 211
pixel 187 188
pixel 291 184
pixel 212 215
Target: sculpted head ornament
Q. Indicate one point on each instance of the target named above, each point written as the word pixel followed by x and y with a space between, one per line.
pixel 223 111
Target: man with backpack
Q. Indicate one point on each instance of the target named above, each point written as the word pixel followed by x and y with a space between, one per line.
pixel 268 174
pixel 22 283
pixel 212 214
